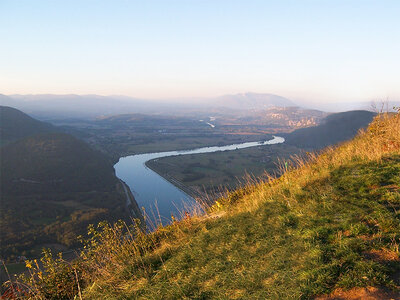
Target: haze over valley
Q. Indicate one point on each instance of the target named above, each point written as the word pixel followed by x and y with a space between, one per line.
pixel 64 166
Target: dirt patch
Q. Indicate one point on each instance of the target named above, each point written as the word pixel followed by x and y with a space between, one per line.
pixel 383 256
pixel 368 293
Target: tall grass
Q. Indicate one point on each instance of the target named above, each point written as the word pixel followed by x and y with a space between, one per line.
pixel 111 254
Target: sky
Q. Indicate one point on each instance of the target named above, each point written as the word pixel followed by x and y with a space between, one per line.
pixel 324 51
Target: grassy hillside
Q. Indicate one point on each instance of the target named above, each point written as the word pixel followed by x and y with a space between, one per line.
pixel 329 225
pixel 335 128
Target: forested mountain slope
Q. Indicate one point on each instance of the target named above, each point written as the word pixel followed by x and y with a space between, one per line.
pixel 52 186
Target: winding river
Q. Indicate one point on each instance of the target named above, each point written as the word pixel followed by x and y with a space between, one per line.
pixel 155 194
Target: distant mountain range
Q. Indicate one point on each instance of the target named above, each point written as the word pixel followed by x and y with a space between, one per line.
pixel 90 106
pixel 252 101
pixel 72 106
pixel 47 106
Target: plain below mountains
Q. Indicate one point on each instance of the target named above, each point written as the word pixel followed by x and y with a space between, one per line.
pixel 52 186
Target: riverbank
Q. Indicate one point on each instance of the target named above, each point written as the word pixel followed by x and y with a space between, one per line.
pixel 131 203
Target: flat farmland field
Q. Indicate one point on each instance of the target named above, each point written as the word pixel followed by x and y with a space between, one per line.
pixel 212 172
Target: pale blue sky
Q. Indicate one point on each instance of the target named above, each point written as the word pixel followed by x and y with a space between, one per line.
pixel 318 50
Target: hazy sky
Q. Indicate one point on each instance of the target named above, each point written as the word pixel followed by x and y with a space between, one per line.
pixel 319 50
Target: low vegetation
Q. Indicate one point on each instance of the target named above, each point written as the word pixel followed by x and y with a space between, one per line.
pixel 330 224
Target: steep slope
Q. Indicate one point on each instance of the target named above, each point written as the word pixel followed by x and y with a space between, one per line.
pixel 328 225
pixel 335 128
pixel 14 124
pixel 52 186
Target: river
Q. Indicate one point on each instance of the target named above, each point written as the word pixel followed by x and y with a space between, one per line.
pixel 155 194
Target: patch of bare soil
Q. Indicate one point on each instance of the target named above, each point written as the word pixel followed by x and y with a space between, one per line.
pixel 383 256
pixel 368 293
